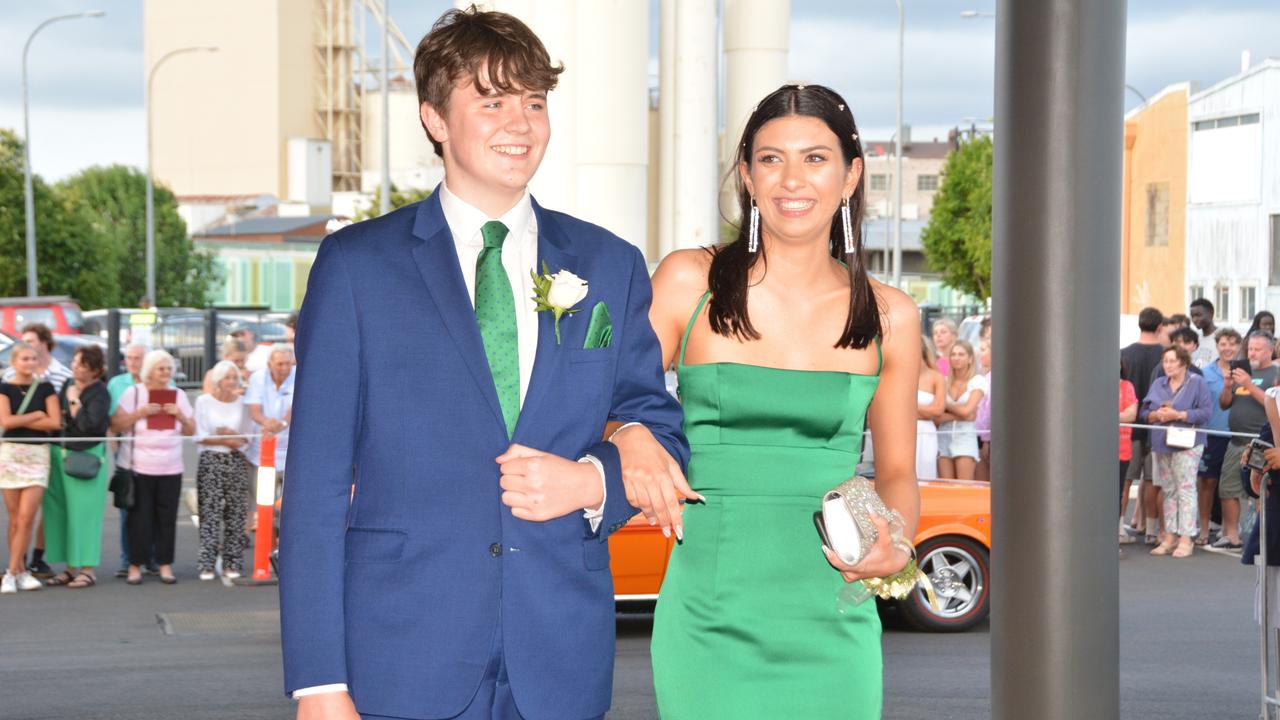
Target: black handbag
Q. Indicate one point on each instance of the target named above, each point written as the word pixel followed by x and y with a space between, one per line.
pixel 122 489
pixel 81 465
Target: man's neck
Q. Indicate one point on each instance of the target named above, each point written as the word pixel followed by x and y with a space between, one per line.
pixel 493 202
pixel 1149 338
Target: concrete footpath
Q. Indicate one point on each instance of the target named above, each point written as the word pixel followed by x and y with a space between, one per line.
pixel 202 650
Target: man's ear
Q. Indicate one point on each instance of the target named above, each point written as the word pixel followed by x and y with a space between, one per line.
pixel 434 122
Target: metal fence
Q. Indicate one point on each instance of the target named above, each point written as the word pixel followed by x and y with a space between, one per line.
pixel 193 336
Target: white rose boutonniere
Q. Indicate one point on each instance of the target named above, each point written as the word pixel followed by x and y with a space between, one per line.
pixel 557 292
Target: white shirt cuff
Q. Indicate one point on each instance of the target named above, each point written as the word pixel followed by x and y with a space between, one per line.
pixel 595 516
pixel 318 690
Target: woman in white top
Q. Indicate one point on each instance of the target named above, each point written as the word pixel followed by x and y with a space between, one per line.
pixel 957 431
pixel 222 477
pixel 931 401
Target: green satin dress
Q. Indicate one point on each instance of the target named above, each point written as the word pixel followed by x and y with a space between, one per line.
pixel 747 624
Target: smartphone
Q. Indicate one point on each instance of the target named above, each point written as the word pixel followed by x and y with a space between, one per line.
pixel 1243 365
pixel 1257 454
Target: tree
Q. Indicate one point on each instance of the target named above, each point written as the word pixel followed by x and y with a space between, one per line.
pixel 399 198
pixel 111 203
pixel 957 240
pixel 64 247
pixel 91 238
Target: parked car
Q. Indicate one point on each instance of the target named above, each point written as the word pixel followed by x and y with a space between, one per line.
pixel 953 544
pixel 64 347
pixel 59 313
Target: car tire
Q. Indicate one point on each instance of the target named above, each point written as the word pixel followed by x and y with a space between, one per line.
pixel 960 570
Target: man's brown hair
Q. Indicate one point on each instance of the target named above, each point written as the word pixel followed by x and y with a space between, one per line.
pixel 42 331
pixel 464 42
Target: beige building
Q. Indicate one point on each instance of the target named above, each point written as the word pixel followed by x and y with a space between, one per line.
pixel 922 165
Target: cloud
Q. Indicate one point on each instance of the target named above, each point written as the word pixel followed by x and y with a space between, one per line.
pixel 66 141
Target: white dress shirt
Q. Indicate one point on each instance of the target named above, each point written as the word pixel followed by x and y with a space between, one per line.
pixel 519 258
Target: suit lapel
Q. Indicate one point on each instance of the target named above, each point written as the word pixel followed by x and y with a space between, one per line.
pixel 437 261
pixel 554 249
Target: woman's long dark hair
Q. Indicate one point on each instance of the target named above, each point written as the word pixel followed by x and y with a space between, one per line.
pixel 730 273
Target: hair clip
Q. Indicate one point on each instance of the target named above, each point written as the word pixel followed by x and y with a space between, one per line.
pixel 855 135
pixel 841 107
pixel 800 87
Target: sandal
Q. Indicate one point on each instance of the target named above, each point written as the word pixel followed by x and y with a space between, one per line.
pixel 63 578
pixel 83 580
pixel 1202 540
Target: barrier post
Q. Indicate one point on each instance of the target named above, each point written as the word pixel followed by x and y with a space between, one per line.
pixel 266 496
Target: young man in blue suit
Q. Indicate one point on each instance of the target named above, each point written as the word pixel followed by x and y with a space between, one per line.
pixel 443 546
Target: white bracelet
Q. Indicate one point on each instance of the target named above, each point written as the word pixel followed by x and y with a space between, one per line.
pixel 614 434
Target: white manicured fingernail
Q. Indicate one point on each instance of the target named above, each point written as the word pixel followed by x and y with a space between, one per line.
pixel 666 532
pixel 680 533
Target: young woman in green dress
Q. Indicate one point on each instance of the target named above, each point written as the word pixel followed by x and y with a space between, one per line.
pixel 783 345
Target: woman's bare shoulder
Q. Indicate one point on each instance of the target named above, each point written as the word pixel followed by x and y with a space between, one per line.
pixel 685 270
pixel 898 311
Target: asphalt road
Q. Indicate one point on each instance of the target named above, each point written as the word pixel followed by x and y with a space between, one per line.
pixel 1188 649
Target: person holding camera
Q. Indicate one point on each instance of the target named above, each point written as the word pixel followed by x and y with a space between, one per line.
pixel 1262 459
pixel 1181 402
pixel 1243 394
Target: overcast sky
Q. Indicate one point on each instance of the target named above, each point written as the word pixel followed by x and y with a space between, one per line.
pixel 86 75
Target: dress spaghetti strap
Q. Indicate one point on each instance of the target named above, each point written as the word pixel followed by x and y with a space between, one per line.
pixel 684 343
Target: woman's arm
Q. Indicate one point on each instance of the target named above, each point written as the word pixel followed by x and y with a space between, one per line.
pixel 1129 414
pixel 1201 410
pixel 938 407
pixel 206 434
pixel 52 420
pixel 969 409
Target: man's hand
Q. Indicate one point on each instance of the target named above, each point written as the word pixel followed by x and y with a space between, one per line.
pixel 539 486
pixel 653 480
pixel 327 706
pixel 1240 377
pixel 1272 456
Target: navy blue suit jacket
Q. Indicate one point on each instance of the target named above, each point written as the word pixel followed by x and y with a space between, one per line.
pixel 398 591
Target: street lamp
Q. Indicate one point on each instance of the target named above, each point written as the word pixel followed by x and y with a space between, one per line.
pixel 151 220
pixel 897 180
pixel 29 197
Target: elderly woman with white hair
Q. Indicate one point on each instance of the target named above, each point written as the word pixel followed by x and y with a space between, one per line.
pixel 156 462
pixel 222 476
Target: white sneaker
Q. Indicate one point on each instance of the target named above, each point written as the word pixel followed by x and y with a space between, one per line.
pixel 27 582
pixel 206 575
pixel 231 574
pixel 8 585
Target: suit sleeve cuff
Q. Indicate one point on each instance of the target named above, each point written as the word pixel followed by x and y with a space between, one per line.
pixel 594 515
pixel 319 690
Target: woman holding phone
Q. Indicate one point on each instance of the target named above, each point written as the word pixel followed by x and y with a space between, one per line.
pixel 1180 401
pixel 157 416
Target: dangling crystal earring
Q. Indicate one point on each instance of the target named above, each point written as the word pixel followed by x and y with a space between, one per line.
pixel 753 239
pixel 848 228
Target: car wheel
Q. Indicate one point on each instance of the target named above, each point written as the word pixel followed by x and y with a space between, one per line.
pixel 960 570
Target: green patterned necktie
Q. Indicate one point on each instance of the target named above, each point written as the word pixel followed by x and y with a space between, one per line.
pixel 496 314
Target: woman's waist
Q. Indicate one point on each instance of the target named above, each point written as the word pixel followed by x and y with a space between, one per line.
pixel 727 470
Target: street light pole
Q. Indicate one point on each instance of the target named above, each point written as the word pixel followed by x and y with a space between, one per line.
pixel 28 195
pixel 386 105
pixel 897 180
pixel 151 220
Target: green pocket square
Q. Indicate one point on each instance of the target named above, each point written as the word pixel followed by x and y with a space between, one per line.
pixel 600 331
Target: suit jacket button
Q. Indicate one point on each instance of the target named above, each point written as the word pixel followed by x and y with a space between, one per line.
pixel 495 549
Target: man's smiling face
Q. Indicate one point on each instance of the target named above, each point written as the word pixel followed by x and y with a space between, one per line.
pixel 493 142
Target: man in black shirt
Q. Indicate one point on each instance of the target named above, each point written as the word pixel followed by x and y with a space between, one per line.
pixel 1141 359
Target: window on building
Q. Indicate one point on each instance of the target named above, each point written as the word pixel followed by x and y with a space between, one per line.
pixel 879 181
pixel 1248 302
pixel 1157 214
pixel 1195 292
pixel 1226 122
pixel 926 183
pixel 1273 277
pixel 1222 302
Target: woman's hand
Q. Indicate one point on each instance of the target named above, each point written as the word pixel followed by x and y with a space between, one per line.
pixel 153 408
pixel 884 559
pixel 170 408
pixel 652 479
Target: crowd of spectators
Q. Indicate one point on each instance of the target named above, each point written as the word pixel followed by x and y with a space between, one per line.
pixel 71 433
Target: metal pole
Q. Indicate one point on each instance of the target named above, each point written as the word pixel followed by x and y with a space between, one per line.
pixel 29 202
pixel 898 149
pixel 1262 578
pixel 1057 192
pixel 386 105
pixel 151 220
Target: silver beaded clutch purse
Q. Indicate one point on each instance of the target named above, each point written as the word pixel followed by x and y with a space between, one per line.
pixel 845 521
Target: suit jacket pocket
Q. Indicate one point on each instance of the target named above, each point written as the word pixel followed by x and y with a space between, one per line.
pixel 375 545
pixel 595 554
